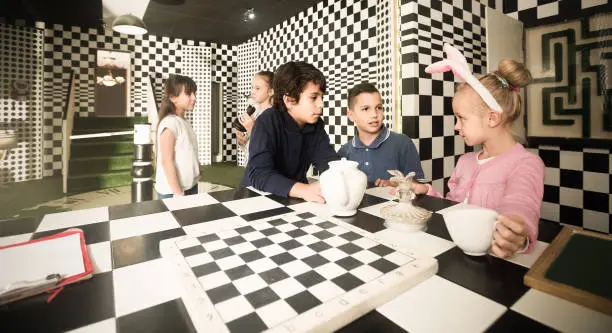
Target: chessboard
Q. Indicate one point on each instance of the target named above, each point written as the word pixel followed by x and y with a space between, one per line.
pixel 289 273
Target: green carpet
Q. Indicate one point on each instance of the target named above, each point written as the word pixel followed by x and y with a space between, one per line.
pixel 224 173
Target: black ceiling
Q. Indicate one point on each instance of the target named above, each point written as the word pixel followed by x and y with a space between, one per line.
pixel 219 20
pixel 203 20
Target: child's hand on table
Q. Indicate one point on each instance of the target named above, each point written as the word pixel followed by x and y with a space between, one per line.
pixel 308 192
pixel 417 188
pixel 384 183
pixel 509 237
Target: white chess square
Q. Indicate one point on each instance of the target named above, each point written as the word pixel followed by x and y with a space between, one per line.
pixel 213 280
pixel 271 250
pixel 276 313
pixel 234 308
pixel 330 270
pixel 279 238
pixel 365 256
pixel 249 284
pixel 229 262
pixel 262 265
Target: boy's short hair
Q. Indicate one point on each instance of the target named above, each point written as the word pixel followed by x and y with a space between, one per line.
pixel 290 80
pixel 364 87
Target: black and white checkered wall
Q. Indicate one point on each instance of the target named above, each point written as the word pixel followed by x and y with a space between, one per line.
pixel 196 65
pixel 248 65
pixel 224 66
pixel 427 115
pixel 64 49
pixel 21 62
pixel 341 39
pixel 539 12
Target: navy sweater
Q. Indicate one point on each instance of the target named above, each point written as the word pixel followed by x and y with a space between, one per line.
pixel 280 152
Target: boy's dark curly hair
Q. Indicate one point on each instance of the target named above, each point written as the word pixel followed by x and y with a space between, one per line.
pixel 290 80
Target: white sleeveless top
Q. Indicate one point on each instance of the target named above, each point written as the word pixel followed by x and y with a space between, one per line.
pixel 185 155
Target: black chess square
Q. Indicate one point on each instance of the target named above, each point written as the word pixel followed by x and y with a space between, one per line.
pixel 349 263
pixel 262 242
pixel 239 272
pixel 251 256
pixel 221 253
pixel 303 301
pixel 261 297
pixel 315 260
pixel 290 244
pixel 205 269
pixel 282 258
pixel 222 293
pixel 347 281
pixel 190 251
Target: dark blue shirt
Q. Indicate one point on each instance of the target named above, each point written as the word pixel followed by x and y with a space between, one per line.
pixel 280 152
pixel 389 151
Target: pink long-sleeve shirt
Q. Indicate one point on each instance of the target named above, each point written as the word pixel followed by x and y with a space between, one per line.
pixel 511 184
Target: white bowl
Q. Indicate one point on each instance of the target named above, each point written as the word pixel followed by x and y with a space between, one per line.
pixel 471 228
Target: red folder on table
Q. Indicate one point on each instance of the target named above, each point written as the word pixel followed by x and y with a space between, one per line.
pixel 43 265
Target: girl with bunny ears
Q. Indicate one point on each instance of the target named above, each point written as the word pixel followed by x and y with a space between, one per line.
pixel 502 176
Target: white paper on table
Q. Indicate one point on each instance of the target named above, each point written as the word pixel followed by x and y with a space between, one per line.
pixel 35 261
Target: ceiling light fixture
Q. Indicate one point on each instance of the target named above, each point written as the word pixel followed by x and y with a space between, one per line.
pixel 248 15
pixel 130 25
pixel 109 81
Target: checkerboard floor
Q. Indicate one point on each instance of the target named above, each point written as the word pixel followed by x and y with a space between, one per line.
pixel 133 288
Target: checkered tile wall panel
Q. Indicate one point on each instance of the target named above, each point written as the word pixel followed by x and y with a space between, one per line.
pixel 64 49
pixel 340 38
pixel 385 54
pixel 577 186
pixel 20 60
pixel 248 65
pixel 225 71
pixel 426 99
pixel 539 12
pixel 196 65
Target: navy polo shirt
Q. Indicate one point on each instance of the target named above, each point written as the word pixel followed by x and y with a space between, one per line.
pixel 280 152
pixel 389 151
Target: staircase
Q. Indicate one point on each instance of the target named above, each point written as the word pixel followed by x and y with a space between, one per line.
pixel 101 161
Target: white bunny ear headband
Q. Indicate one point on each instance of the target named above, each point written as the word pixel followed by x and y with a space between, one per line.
pixel 456 62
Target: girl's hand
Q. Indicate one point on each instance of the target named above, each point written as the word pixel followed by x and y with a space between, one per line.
pixel 419 188
pixel 384 183
pixel 510 236
pixel 241 138
pixel 246 121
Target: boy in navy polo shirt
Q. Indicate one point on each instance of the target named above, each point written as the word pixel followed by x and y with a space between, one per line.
pixel 290 136
pixel 376 148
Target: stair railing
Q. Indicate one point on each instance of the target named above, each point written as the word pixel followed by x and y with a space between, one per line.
pixel 152 114
pixel 67 126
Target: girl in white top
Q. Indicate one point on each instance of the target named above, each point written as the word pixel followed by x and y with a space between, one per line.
pixel 178 169
pixel 261 94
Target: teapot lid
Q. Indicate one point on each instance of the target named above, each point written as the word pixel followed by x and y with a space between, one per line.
pixel 343 163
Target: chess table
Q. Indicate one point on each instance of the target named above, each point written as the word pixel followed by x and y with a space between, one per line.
pixel 137 287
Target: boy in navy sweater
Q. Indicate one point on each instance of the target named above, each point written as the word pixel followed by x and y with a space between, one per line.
pixel 376 148
pixel 288 138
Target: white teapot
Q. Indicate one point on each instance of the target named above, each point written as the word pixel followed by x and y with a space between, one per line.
pixel 343 186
